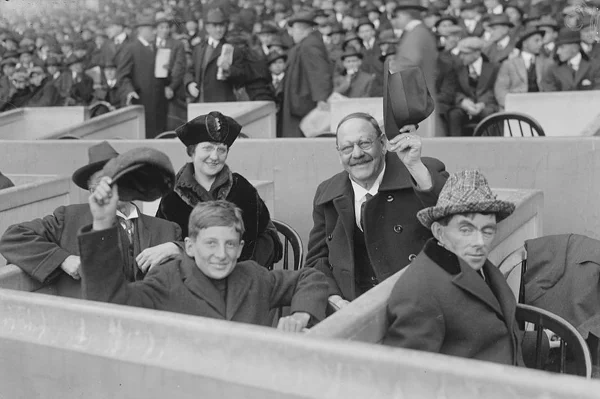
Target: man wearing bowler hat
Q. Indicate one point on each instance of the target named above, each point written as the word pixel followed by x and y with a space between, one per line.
pixel 212 78
pixel 47 248
pixel 452 299
pixel 136 73
pixel 309 75
pixel 574 70
pixel 523 74
pixel 365 227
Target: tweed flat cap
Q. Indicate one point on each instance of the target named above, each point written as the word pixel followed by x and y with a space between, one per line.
pixel 143 174
pixel 465 192
pixel 214 127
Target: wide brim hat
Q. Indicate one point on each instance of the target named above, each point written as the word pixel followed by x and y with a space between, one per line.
pixel 349 37
pixel 216 16
pixel 307 17
pixel 145 20
pixel 527 34
pixel 364 21
pixel 407 100
pixel 214 127
pixel 142 174
pixel 274 56
pixel 337 28
pixel 410 5
pixel 548 21
pixel 450 18
pixel 98 156
pixel 500 19
pixel 268 28
pixel 465 192
pixel 351 52
pixel 568 36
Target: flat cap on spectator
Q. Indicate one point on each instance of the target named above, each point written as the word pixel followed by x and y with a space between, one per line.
pixel 350 36
pixel 568 36
pixel 276 55
pixel 351 52
pixel 307 17
pixel 98 156
pixel 474 5
pixel 500 19
pixel 80 45
pixel 142 174
pixel 11 38
pixel 216 16
pixel 470 45
pixel 118 20
pixel 214 127
pixel 27 42
pixel 26 50
pixel 372 8
pixel 534 15
pixel 527 33
pixel 410 5
pixel 516 6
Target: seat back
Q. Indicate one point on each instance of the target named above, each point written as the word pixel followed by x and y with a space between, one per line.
pixel 167 135
pixel 293 242
pixel 570 341
pixel 516 124
pixel 513 269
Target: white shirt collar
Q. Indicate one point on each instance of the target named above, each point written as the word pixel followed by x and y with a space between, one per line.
pixel 549 46
pixel 213 42
pixel 527 57
pixel 477 65
pixel 586 47
pixel 143 41
pixel 398 33
pixel 412 24
pixel 120 38
pixel 132 215
pixel 369 45
pixel 360 194
pixel 504 42
pixel 575 61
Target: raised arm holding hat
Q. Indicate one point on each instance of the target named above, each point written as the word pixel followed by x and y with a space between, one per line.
pixel 451 299
pixel 47 248
pixel 207 177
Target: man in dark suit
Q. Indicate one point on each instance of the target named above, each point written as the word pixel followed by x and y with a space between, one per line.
pixel 44 93
pixel 502 45
pixel 470 19
pixel 365 227
pixel 417 47
pixel 354 82
pixel 309 75
pixel 550 28
pixel 207 281
pixel 47 249
pixel 136 73
pixel 276 62
pixel 118 39
pixel 76 87
pixel 110 91
pixel 451 299
pixel 574 70
pixel 213 78
pixel 475 97
pixel 365 30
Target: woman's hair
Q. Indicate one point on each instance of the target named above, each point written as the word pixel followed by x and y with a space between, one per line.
pixel 215 213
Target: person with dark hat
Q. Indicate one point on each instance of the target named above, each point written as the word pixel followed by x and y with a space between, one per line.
pixel 589 38
pixel 207 177
pixel 117 40
pixel 502 45
pixel 66 48
pixel 309 81
pixel 354 82
pixel 574 70
pixel 277 65
pixel 53 66
pixel 365 29
pixel 110 91
pixel 44 93
pixel 19 92
pixel 523 74
pixel 470 14
pixel 417 47
pixel 515 15
pixel 213 76
pixel 365 228
pixel 277 45
pixel 474 98
pixel 451 299
pixel 550 28
pixel 47 248
pixel 75 86
pixel 265 36
pixel 448 65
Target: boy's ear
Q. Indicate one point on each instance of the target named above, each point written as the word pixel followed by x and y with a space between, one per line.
pixel 189 244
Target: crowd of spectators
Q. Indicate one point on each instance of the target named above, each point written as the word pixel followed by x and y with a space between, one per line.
pixel 105 54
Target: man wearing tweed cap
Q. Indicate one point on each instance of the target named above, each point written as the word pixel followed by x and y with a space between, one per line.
pixel 451 299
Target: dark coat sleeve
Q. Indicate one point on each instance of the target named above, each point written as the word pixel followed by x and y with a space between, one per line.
pixel 43 256
pixel 318 71
pixel 125 69
pixel 178 65
pixel 5 182
pixel 439 175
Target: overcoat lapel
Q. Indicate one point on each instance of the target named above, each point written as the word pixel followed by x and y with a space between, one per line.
pixel 486 74
pixel 144 232
pixel 519 64
pixel 475 285
pixel 584 66
pixel 503 294
pixel 237 290
pixel 200 286
pixel 344 206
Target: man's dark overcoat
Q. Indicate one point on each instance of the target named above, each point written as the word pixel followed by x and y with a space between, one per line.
pixel 392 231
pixel 438 305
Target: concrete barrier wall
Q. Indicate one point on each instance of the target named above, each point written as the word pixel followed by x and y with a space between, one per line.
pixel 63 348
pixel 258 118
pixel 550 110
pixel 41 197
pixel 125 123
pixel 365 319
pixel 34 123
pixel 567 170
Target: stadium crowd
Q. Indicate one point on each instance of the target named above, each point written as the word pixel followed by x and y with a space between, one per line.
pixel 296 53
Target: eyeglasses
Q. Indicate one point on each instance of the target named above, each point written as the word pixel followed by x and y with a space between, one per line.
pixel 209 148
pixel 364 145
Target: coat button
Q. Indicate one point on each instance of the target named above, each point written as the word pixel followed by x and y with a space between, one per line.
pixel 329 237
pixel 411 257
pixel 398 228
pixel 390 198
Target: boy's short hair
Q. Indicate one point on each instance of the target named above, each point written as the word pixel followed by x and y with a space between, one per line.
pixel 215 213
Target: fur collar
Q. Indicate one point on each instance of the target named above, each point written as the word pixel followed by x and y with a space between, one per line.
pixel 191 192
pixel 442 257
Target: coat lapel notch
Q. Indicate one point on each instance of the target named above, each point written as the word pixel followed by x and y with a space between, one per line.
pixel 200 286
pixel 238 285
pixel 469 281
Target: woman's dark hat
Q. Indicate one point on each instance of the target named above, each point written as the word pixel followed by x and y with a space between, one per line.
pixel 143 174
pixel 98 156
pixel 214 127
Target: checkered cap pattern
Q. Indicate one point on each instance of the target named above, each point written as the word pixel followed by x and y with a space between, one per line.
pixel 465 192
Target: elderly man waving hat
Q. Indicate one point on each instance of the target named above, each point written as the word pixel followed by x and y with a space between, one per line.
pixel 451 299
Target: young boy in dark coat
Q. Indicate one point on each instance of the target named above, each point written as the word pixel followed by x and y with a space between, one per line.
pixel 209 281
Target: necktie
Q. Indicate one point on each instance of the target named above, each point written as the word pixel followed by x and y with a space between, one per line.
pixel 127 225
pixel 362 210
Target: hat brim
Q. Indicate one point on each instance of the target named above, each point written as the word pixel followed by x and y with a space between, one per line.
pixel 292 21
pixel 411 7
pixel 82 175
pixel 509 24
pixel 519 42
pixel 502 209
pixel 567 41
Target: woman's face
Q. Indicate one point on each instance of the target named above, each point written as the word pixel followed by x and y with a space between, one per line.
pixel 209 158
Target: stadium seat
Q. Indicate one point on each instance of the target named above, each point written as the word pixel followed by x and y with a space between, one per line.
pixel 497 124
